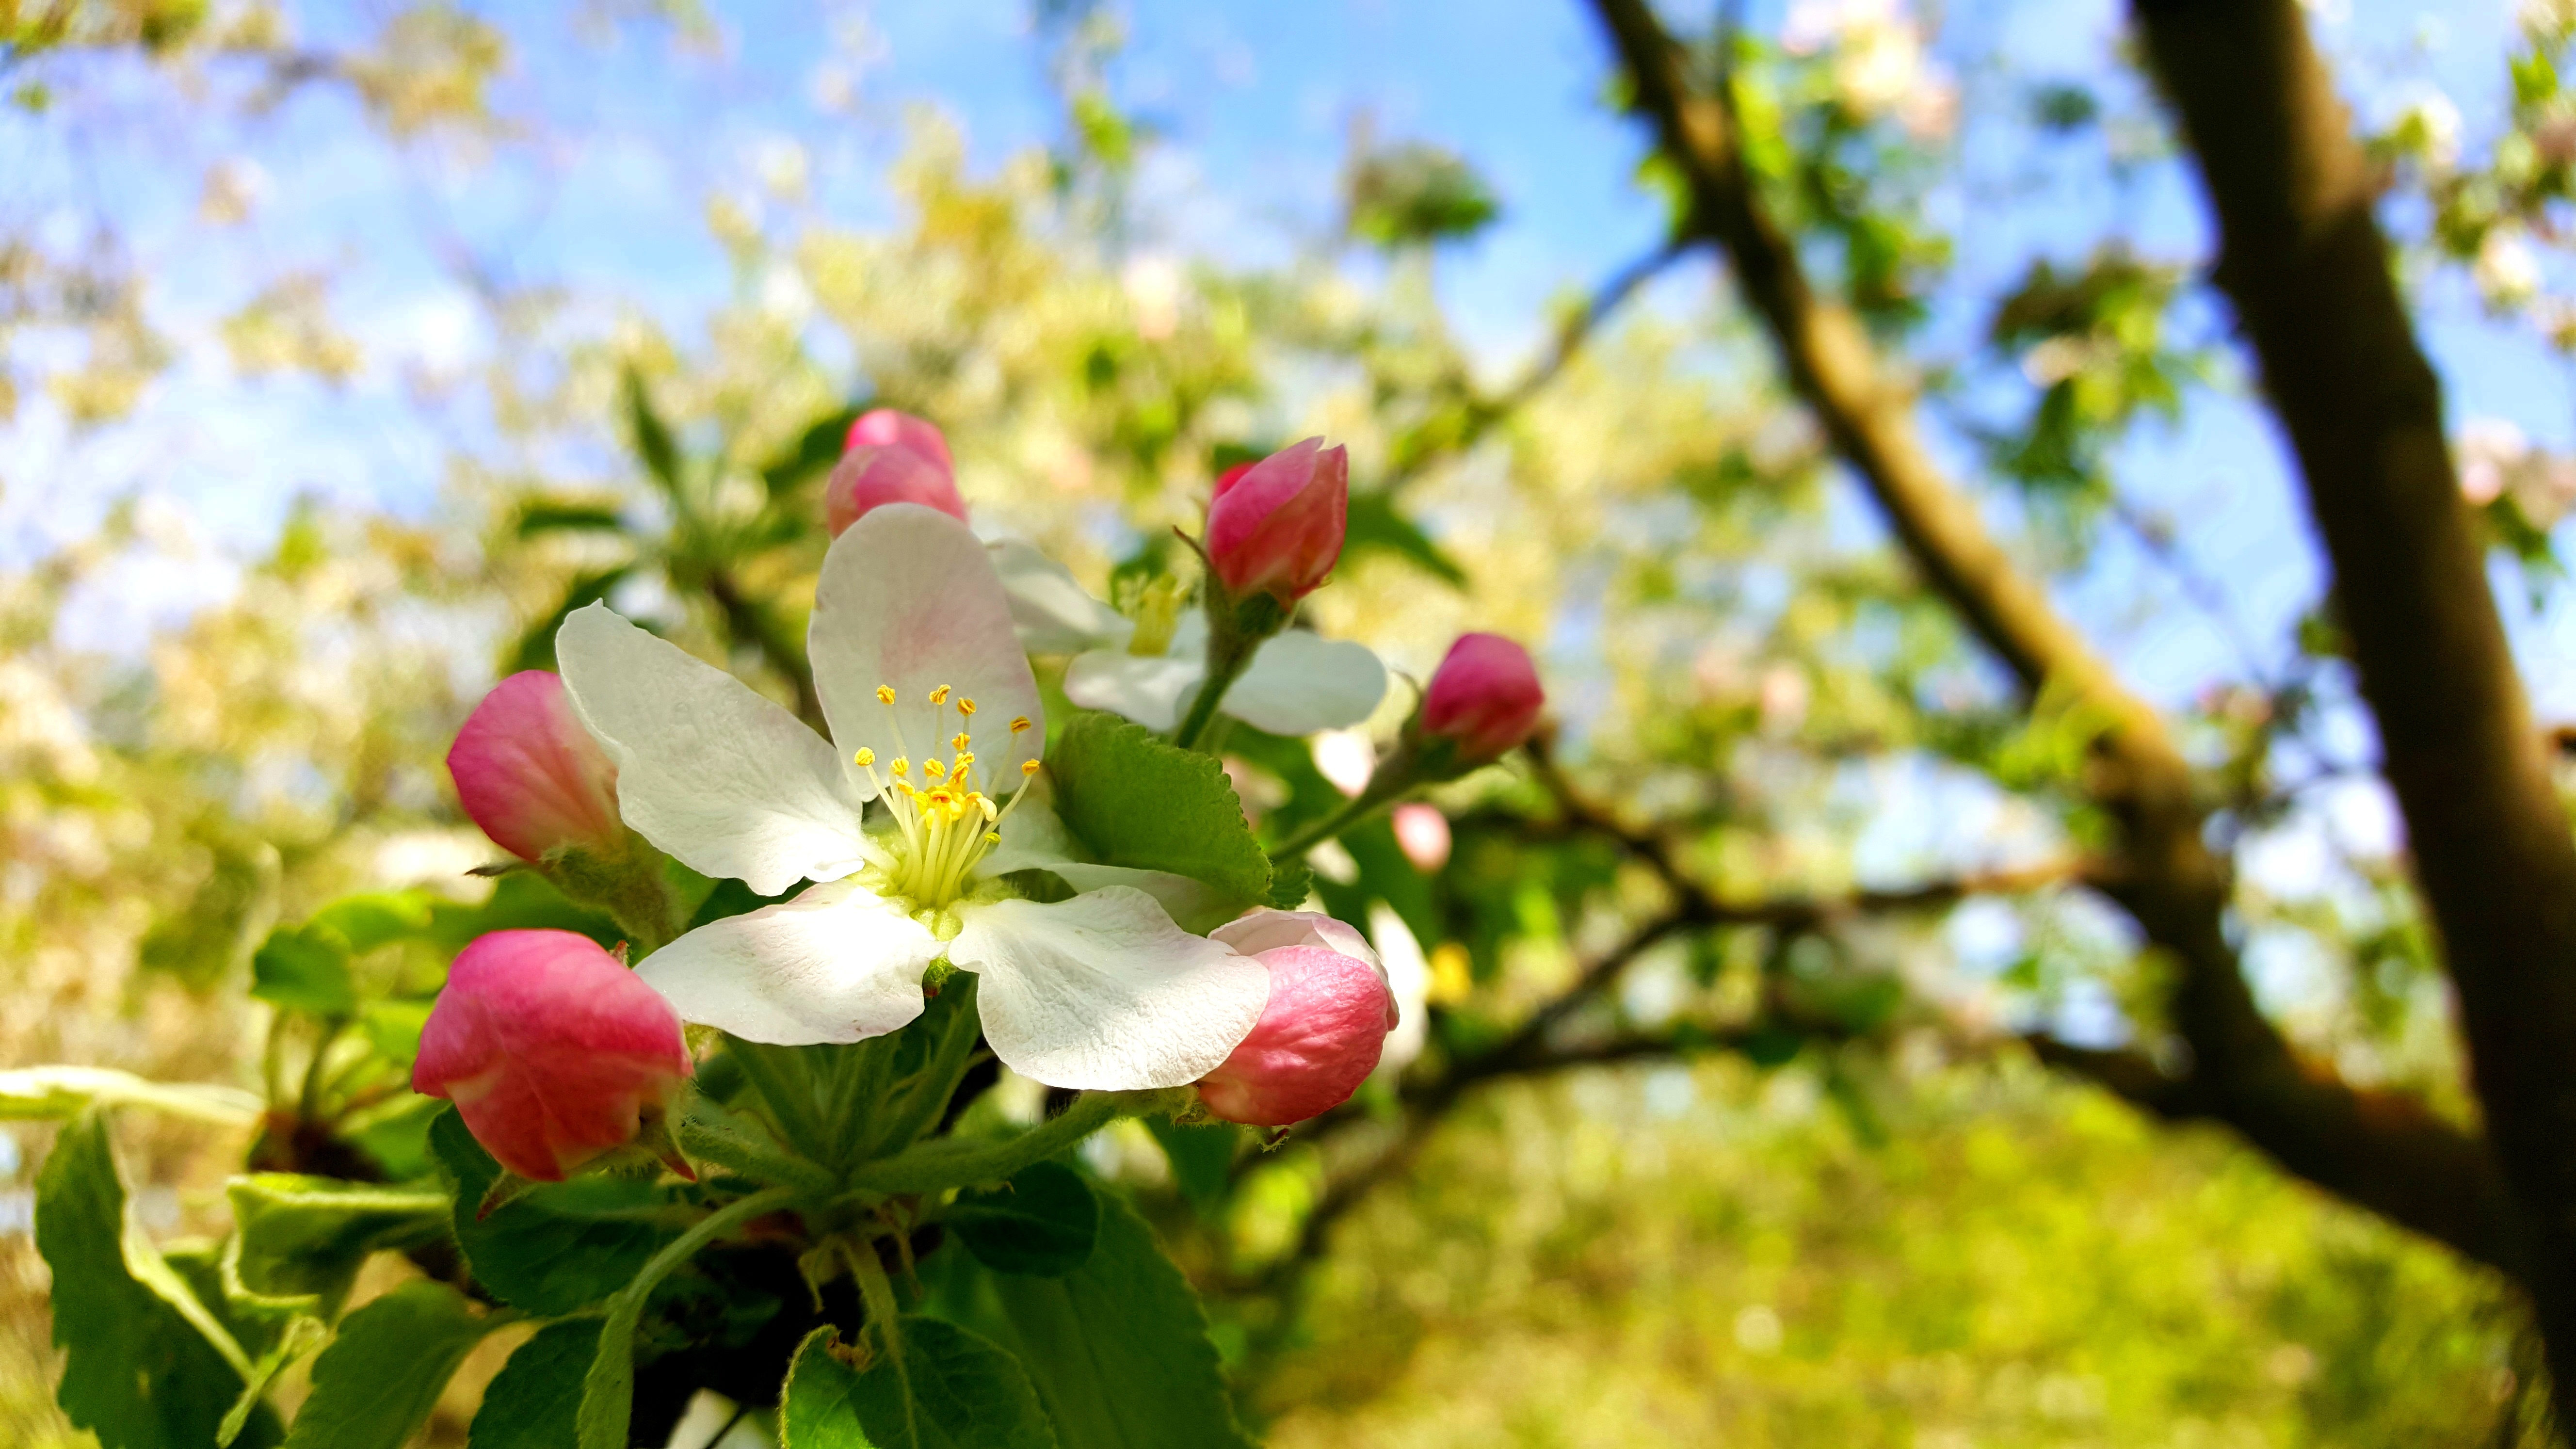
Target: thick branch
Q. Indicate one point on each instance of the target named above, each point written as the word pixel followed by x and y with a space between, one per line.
pixel 2302 258
pixel 2415 1169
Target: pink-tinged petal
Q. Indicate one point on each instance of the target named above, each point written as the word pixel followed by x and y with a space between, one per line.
pixel 869 478
pixel 530 775
pixel 886 428
pixel 909 600
pixel 1277 527
pixel 1317 1040
pixel 550 1049
pixel 1485 696
pixel 836 964
pixel 1232 476
pixel 1269 930
pixel 1422 833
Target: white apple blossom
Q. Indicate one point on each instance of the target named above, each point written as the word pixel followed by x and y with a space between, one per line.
pixel 915 658
pixel 1147 668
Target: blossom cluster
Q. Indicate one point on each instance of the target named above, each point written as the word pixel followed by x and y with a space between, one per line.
pixel 898 848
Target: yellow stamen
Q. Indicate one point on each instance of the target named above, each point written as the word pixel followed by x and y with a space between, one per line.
pixel 934 769
pixel 966 707
pixel 939 695
pixel 901 767
pixel 864 758
pixel 1028 767
pixel 885 694
pixel 1020 725
pixel 992 839
pixel 959 740
pixel 965 760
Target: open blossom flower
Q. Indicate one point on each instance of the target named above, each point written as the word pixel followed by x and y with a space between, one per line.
pixel 890 457
pixel 1323 1030
pixel 551 1050
pixel 1149 667
pixel 934 714
pixel 1277 526
pixel 530 775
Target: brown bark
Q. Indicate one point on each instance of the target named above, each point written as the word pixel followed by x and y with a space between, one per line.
pixel 2303 260
pixel 2381 1150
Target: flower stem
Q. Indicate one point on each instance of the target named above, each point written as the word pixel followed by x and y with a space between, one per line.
pixel 1368 803
pixel 608 1390
pixel 1227 657
pixel 946 1162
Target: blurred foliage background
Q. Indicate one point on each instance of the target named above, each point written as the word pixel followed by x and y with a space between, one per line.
pixel 1763 927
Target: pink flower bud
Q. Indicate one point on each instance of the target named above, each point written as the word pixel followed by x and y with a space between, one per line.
pixel 886 428
pixel 1485 696
pixel 551 1050
pixel 1422 833
pixel 530 775
pixel 1276 528
pixel 1317 1040
pixel 872 476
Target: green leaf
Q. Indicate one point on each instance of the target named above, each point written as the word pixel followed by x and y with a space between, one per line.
pixel 520 901
pixel 651 436
pixel 535 1401
pixel 1042 1222
pixel 142 1366
pixel 393 1028
pixel 365 922
pixel 1202 1156
pixel 304 972
pixel 553 515
pixel 817 449
pixel 1137 800
pixel 965 1393
pixel 1374 523
pixel 535 648
pixel 379 1379
pixel 550 1251
pixel 1118 1348
pixel 302 1238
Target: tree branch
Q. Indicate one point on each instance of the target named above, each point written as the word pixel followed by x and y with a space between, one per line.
pixel 2302 258
pixel 2401 1161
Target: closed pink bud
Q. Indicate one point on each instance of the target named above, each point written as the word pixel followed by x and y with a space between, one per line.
pixel 530 775
pixel 886 428
pixel 872 476
pixel 1276 528
pixel 1422 833
pixel 551 1050
pixel 1485 696
pixel 1317 1040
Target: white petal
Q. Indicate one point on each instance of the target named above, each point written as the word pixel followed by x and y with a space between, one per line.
pixel 1302 682
pixel 1193 905
pixel 1268 930
pixel 1145 688
pixel 1103 991
pixel 1054 614
pixel 1033 838
pixel 835 964
pixel 707 769
pixel 908 599
pixel 1408 976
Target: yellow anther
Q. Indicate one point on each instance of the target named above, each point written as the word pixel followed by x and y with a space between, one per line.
pixel 960 740
pixel 939 695
pixel 885 694
pixel 985 805
pixel 901 767
pixel 934 769
pixel 1028 767
pixel 992 839
pixel 1019 725
pixel 966 707
pixel 864 758
pixel 965 761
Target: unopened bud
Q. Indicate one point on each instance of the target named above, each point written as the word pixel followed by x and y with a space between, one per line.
pixel 869 478
pixel 886 428
pixel 1485 697
pixel 1321 1034
pixel 530 775
pixel 1276 527
pixel 552 1052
